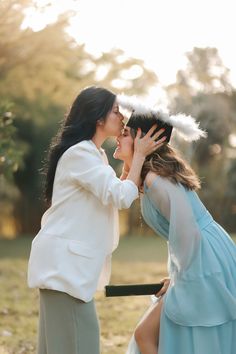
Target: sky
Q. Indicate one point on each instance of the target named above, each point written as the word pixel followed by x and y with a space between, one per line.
pixel 159 32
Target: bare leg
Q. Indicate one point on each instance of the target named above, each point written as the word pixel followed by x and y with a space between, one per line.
pixel 147 331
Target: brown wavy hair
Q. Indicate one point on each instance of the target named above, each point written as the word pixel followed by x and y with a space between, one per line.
pixel 167 162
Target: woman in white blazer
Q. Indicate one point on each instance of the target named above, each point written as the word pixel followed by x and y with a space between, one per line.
pixel 70 256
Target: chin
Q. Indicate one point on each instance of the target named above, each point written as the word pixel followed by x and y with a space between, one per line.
pixel 117 156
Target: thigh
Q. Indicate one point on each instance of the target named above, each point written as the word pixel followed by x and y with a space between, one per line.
pixel 150 323
pixel 67 325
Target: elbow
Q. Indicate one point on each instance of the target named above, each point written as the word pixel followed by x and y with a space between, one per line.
pixel 119 204
pixel 125 203
pixel 129 194
pixel 121 196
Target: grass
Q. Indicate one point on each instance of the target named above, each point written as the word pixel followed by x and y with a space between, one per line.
pixel 137 260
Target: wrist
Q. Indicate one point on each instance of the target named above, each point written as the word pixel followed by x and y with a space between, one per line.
pixel 139 156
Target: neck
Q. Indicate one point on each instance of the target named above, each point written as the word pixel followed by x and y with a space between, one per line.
pixel 98 139
pixel 128 163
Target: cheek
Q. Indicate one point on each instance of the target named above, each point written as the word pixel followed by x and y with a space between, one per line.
pixel 128 146
pixel 112 122
pixel 113 119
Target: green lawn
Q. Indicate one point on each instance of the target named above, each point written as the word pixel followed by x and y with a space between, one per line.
pixel 137 260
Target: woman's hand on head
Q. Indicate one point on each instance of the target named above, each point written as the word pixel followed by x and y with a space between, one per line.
pixel 148 143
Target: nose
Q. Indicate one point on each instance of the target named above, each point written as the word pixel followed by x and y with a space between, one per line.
pixel 121 117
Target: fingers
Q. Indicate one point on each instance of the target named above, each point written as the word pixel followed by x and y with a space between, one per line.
pixel 160 293
pixel 166 282
pixel 159 143
pixel 156 145
pixel 139 133
pixel 163 290
pixel 147 144
pixel 151 130
pixel 157 134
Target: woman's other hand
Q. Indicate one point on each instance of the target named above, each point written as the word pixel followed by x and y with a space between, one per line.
pixel 166 283
pixel 147 144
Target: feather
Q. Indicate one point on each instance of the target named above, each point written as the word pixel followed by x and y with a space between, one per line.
pixel 133 104
pixel 185 125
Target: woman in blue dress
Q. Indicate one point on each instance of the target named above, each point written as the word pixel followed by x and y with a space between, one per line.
pixel 196 312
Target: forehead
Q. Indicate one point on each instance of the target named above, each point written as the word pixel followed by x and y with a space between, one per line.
pixel 126 129
pixel 115 105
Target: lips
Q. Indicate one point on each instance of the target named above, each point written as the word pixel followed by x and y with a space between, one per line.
pixel 118 146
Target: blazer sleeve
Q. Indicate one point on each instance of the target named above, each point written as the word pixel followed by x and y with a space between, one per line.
pixel 87 169
pixel 184 234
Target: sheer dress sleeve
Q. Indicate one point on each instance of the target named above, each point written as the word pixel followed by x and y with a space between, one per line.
pixel 198 294
pixel 184 235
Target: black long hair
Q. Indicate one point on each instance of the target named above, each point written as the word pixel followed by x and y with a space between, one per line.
pixel 91 105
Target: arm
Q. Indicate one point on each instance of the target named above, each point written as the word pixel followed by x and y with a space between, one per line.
pixel 86 169
pixel 184 235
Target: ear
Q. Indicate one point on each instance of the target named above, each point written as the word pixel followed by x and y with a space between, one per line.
pixel 100 122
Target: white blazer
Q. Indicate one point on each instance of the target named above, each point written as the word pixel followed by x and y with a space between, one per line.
pixel 72 251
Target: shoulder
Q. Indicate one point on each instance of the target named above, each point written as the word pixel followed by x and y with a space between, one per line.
pixel 150 178
pixel 84 152
pixel 85 145
pixel 163 182
pixel 83 148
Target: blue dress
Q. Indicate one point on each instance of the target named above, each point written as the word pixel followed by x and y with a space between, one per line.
pixel 199 307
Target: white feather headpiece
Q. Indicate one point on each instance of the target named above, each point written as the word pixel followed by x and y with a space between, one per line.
pixel 186 125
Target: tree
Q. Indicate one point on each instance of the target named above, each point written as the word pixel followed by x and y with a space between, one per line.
pixel 230 193
pixel 41 73
pixel 204 91
pixel 11 149
pixel 206 70
pixel 11 159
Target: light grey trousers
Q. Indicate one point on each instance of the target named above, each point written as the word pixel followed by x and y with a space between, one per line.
pixel 66 325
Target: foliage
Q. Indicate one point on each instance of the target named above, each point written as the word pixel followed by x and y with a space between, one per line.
pixel 230 196
pixel 41 73
pixel 204 91
pixel 205 73
pixel 11 150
